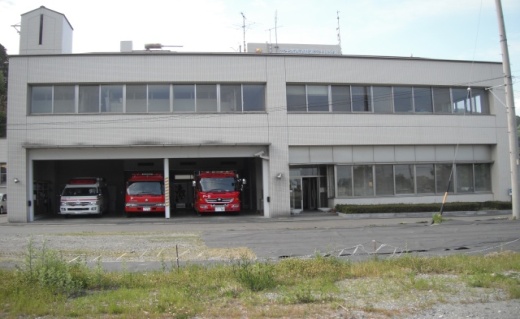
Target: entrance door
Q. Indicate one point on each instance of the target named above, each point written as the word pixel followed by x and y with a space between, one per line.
pixel 310 193
pixel 181 198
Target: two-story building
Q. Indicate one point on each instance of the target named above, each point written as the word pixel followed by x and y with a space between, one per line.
pixel 307 129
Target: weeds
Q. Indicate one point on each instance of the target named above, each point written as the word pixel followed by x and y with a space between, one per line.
pixel 255 276
pixel 47 286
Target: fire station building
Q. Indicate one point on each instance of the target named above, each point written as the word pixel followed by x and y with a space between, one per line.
pixel 306 126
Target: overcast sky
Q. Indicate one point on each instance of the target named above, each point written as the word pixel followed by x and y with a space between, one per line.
pixel 441 29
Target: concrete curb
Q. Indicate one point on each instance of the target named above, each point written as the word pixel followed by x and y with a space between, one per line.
pixel 486 213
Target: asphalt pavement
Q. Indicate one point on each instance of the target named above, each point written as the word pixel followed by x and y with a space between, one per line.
pixel 304 235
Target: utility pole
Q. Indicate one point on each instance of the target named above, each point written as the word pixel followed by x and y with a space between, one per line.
pixel 511 118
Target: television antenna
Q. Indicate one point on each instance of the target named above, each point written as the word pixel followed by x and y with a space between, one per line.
pixel 339 31
pixel 150 46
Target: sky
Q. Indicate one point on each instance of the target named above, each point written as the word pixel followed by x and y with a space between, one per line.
pixel 438 29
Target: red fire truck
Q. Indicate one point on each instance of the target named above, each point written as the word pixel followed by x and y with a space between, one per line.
pixel 144 193
pixel 217 191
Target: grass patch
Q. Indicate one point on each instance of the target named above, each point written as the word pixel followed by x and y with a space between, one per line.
pixel 45 285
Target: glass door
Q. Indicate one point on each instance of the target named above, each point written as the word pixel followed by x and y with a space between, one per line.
pixel 296 195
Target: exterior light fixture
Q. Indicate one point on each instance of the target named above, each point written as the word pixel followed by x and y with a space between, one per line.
pixel 279 176
pixel 16 180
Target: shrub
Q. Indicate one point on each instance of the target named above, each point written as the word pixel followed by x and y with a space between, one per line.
pixel 433 207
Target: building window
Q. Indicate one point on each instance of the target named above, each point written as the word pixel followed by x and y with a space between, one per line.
pixel 384 180
pixel 318 98
pixel 403 99
pixel 3 173
pixel 441 100
pixel 386 99
pixel 112 98
pixel 183 98
pixel 88 97
pixel 340 98
pixel 363 180
pixel 465 178
pixel 382 99
pixel 479 101
pixel 461 102
pixel 425 178
pixel 158 98
pixel 404 179
pixel 136 98
pixel 344 178
pixel 361 101
pixel 443 178
pixel 230 98
pixel 422 97
pixel 64 99
pixel 147 98
pixel 482 177
pixel 412 179
pixel 254 97
pixel 296 100
pixel 41 99
pixel 206 98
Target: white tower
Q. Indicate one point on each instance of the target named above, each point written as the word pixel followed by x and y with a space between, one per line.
pixel 45 31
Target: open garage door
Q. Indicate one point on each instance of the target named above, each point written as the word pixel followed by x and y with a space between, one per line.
pixel 51 176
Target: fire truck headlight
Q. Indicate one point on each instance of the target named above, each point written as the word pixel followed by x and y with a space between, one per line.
pixel 130 205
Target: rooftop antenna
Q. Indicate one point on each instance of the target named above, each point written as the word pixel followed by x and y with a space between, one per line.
pixel 275 31
pixel 150 46
pixel 339 31
pixel 244 29
pixel 16 27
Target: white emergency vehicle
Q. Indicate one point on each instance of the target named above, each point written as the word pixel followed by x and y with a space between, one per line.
pixel 84 196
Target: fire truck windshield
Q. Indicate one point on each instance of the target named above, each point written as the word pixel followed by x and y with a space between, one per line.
pixel 226 184
pixel 145 188
pixel 80 191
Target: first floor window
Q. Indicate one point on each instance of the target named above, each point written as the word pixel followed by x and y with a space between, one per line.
pixel 404 179
pixel 411 179
pixel 464 178
pixel 363 180
pixel 344 177
pixel 384 180
pixel 3 173
pixel 482 177
pixel 425 177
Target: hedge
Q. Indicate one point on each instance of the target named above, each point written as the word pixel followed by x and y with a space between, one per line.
pixel 415 208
